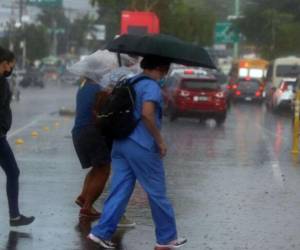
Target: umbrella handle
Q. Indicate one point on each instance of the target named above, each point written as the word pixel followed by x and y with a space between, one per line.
pixel 119 59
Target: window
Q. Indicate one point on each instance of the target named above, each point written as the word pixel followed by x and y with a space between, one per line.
pixel 256 73
pixel 200 84
pixel 243 72
pixel 287 70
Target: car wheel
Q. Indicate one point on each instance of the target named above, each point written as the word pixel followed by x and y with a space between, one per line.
pixel 220 119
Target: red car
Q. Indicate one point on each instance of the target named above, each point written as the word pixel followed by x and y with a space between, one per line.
pixel 191 95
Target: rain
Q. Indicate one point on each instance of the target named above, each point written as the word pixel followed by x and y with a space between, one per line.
pixel 213 88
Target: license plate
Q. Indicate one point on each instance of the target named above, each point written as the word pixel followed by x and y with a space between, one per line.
pixel 200 98
pixel 248 98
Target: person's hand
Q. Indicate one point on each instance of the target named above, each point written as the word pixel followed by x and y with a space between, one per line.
pixel 162 149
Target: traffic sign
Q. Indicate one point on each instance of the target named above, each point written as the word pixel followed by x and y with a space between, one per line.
pixel 56 30
pixel 46 3
pixel 224 33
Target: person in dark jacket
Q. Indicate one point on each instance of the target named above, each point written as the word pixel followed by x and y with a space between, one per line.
pixel 7 159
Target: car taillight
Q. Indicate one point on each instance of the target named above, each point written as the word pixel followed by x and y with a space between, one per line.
pixel 234 86
pixel 189 72
pixel 183 93
pixel 238 92
pixel 258 93
pixel 283 87
pixel 220 95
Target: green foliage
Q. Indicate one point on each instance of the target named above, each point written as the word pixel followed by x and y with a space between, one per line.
pixel 273 26
pixel 37 43
pixel 187 19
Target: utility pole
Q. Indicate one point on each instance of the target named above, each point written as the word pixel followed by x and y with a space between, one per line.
pixel 23 42
pixel 237 14
pixel 54 38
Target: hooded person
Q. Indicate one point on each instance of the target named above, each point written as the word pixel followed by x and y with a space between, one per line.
pixel 7 159
pixel 92 147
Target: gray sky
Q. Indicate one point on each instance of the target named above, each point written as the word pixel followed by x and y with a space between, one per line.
pixel 5 10
pixel 77 4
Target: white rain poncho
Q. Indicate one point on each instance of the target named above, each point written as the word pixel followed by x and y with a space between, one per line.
pixel 110 79
pixel 95 66
pixel 102 67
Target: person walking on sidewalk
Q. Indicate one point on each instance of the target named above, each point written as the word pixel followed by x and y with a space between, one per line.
pixel 7 159
pixel 139 157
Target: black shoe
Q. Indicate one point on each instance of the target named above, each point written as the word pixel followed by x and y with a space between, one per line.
pixel 21 221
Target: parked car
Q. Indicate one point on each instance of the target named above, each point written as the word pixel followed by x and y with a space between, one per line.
pixel 282 97
pixel 32 78
pixel 194 96
pixel 247 89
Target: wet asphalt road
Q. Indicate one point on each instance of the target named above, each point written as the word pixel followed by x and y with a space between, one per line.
pixel 233 188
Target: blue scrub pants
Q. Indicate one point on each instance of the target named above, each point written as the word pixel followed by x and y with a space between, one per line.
pixel 131 162
pixel 9 165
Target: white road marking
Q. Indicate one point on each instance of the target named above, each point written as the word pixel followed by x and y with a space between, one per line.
pixel 277 172
pixel 19 130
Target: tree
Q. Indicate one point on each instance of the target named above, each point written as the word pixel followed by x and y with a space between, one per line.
pixel 37 42
pixel 188 20
pixel 58 26
pixel 275 28
pixel 79 30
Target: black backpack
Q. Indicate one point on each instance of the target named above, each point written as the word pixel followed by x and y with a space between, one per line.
pixel 115 118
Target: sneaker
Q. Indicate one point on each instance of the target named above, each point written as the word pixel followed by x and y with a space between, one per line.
pixel 21 221
pixel 126 223
pixel 89 214
pixel 104 243
pixel 173 244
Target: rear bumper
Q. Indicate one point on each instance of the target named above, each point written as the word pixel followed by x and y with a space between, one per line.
pixel 248 98
pixel 209 110
pixel 284 103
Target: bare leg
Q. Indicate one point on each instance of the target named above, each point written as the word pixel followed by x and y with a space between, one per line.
pixel 85 184
pixel 95 184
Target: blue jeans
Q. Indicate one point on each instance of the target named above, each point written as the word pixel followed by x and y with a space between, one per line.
pixel 9 165
pixel 131 162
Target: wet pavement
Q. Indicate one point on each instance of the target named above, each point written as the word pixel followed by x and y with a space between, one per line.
pixel 233 187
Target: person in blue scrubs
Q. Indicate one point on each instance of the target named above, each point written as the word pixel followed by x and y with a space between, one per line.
pixel 139 158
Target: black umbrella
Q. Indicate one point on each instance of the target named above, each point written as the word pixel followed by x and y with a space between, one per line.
pixel 161 45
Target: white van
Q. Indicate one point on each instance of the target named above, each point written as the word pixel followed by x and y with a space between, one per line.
pixel 280 68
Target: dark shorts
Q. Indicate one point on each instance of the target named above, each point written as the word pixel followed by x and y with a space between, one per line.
pixel 93 149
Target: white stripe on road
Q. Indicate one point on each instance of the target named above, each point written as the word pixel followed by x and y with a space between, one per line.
pixel 277 172
pixel 19 130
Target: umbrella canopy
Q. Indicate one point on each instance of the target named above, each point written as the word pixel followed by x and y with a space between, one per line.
pixel 161 45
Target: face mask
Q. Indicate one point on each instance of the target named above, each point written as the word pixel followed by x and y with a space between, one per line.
pixel 161 82
pixel 8 73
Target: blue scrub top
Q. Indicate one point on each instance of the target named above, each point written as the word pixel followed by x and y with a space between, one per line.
pixel 85 101
pixel 146 90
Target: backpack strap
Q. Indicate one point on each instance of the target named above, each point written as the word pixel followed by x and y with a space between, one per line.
pixel 139 78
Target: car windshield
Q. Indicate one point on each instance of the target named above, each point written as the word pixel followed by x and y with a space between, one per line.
pixel 196 84
pixel 287 70
pixel 249 84
pixel 291 84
